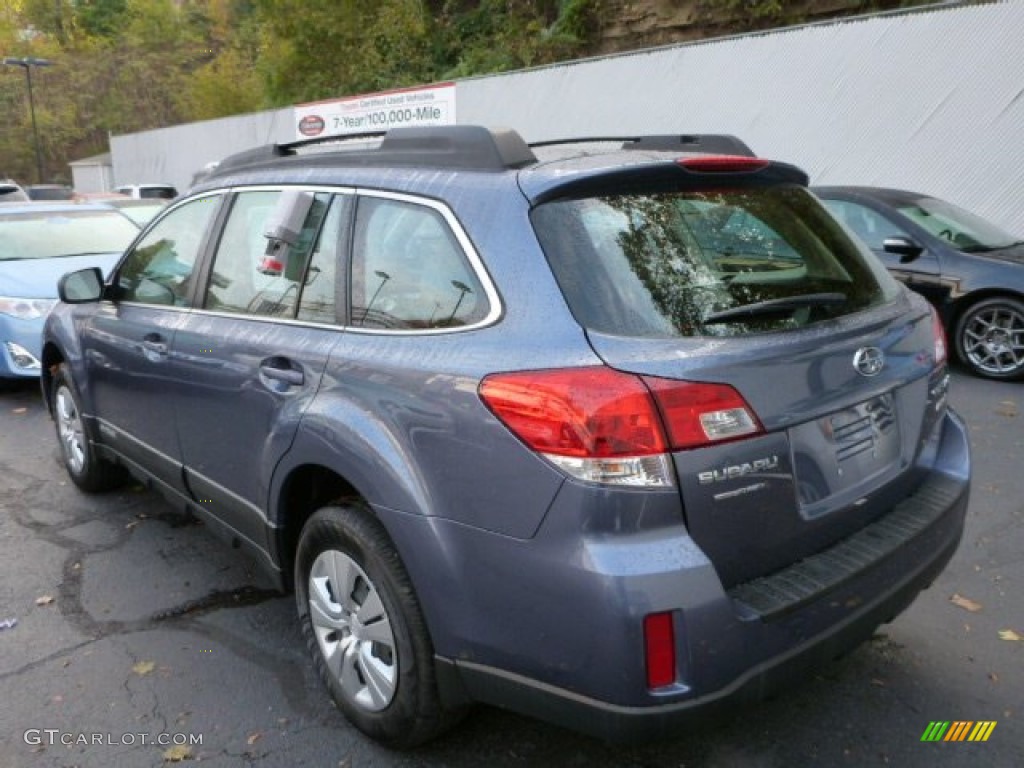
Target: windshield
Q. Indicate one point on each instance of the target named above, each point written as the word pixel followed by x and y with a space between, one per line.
pixel 52 234
pixel 719 262
pixel 968 232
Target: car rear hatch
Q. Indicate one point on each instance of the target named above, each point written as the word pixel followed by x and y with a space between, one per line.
pixel 819 379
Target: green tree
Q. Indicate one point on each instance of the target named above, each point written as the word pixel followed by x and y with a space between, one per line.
pixel 100 18
pixel 313 49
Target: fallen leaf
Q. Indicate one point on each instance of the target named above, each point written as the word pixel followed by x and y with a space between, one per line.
pixel 966 603
pixel 1009 634
pixel 993 677
pixel 44 600
pixel 143 668
pixel 1007 408
pixel 178 753
pixel 253 738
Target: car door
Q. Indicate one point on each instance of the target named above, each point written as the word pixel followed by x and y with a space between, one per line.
pixel 872 226
pixel 126 343
pixel 249 359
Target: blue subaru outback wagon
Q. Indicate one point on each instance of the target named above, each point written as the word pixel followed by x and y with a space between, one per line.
pixel 608 432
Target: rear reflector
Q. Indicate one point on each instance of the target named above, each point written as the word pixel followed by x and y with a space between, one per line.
pixel 722 163
pixel 939 334
pixel 601 425
pixel 659 649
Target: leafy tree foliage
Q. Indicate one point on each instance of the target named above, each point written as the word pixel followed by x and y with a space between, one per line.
pixel 127 65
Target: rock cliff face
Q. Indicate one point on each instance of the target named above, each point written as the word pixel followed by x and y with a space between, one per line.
pixel 631 24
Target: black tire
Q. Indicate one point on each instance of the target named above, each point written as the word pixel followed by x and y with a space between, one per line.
pixel 989 338
pixel 87 470
pixel 407 711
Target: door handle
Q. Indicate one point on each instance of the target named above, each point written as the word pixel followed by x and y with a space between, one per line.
pixel 278 370
pixel 154 346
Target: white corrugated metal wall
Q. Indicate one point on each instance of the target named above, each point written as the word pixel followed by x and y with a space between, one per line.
pixel 930 100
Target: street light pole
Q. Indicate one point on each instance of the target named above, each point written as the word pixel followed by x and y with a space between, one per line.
pixel 27 64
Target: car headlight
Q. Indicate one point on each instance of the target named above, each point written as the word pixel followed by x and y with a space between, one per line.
pixel 26 309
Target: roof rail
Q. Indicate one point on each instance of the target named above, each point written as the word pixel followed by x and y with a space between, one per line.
pixel 704 143
pixel 466 147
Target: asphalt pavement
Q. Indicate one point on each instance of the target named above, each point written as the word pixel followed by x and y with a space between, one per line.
pixel 131 637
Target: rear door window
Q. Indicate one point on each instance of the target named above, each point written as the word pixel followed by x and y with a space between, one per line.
pixel 718 262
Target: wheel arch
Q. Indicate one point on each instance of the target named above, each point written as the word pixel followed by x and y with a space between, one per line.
pixel 960 310
pixel 305 489
pixel 956 309
pixel 968 300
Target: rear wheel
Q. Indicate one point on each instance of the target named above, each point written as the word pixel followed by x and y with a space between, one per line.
pixel 990 338
pixel 87 470
pixel 364 628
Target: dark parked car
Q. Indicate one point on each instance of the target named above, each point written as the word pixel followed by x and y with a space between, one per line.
pixel 966 266
pixel 50 192
pixel 610 433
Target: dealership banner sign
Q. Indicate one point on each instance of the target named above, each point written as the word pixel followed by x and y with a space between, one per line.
pixel 427 105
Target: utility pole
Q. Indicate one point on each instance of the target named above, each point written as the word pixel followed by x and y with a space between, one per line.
pixel 27 64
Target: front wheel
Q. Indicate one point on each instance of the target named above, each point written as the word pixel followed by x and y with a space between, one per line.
pixel 364 628
pixel 990 338
pixel 87 470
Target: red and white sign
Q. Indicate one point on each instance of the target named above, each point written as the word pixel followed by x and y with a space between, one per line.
pixel 426 105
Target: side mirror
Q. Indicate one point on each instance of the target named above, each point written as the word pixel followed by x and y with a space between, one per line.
pixel 81 287
pixel 903 247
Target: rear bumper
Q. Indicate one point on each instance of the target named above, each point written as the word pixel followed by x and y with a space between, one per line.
pixel 743 646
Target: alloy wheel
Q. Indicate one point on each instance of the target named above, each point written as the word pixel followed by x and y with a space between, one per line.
pixel 993 340
pixel 69 426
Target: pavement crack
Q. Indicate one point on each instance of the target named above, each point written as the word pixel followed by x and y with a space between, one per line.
pixel 227 598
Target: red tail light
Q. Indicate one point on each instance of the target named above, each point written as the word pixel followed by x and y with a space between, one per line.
pixel 722 163
pixel 659 649
pixel 579 412
pixel 698 413
pixel 606 426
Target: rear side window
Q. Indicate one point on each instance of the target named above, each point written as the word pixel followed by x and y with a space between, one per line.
pixel 409 271
pixel 869 226
pixel 718 262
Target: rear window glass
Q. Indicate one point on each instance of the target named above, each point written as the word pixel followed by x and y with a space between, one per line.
pixel 706 263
